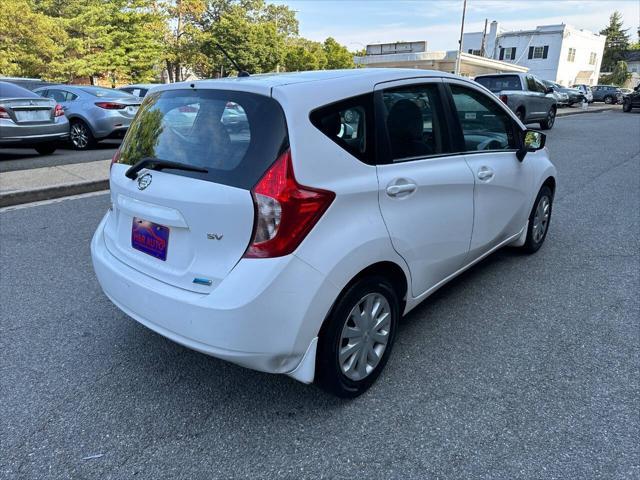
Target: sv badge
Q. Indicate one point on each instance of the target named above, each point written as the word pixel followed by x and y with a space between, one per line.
pixel 214 236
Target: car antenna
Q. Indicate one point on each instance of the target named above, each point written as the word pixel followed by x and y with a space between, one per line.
pixel 241 72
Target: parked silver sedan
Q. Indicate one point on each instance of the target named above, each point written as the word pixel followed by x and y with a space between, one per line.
pixel 28 120
pixel 95 113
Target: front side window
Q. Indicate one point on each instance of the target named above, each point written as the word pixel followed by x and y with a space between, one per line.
pixel 413 119
pixel 538 52
pixel 235 136
pixel 349 124
pixel 485 125
pixel 58 95
pixel 510 53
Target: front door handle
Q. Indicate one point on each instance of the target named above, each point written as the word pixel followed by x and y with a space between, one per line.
pixel 401 189
pixel 485 174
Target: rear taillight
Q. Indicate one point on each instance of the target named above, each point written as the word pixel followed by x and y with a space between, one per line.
pixel 504 98
pixel 115 158
pixel 285 211
pixel 110 105
pixel 4 113
pixel 59 111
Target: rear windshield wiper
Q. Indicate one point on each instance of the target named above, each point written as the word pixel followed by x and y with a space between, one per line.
pixel 159 164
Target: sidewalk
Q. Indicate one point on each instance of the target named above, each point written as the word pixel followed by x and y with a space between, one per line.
pixel 593 108
pixel 24 186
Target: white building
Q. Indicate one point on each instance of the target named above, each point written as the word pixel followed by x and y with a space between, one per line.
pixel 560 53
pixel 415 55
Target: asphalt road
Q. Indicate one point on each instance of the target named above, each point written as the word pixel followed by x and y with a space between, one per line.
pixel 12 159
pixel 525 367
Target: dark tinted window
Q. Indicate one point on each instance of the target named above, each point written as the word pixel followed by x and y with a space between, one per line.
pixel 9 90
pixel 236 136
pixel 500 82
pixel 349 124
pixel 485 125
pixel 413 117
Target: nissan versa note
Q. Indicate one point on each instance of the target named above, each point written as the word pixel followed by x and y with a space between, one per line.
pixel 296 243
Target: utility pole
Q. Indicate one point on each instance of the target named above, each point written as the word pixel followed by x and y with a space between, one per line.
pixel 464 11
pixel 484 38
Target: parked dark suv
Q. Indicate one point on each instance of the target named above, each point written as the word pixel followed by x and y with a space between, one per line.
pixel 631 100
pixel 607 94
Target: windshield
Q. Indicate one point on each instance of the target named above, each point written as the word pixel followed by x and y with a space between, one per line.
pixel 501 82
pixel 9 90
pixel 105 92
pixel 236 136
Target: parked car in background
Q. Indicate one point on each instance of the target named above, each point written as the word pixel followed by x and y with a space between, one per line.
pixel 28 120
pixel 28 83
pixel 631 100
pixel 139 89
pixel 609 94
pixel 562 98
pixel 95 113
pixel 626 91
pixel 585 90
pixel 529 98
pixel 573 95
pixel 297 248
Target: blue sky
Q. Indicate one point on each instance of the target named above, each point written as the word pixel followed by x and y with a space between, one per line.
pixel 355 23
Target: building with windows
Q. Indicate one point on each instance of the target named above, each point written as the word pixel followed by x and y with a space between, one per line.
pixel 560 53
pixel 415 55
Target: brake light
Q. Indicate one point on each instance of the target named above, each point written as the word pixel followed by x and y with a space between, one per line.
pixel 59 111
pixel 4 113
pixel 504 98
pixel 110 105
pixel 115 158
pixel 285 211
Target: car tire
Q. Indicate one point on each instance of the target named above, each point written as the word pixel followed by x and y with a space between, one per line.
pixel 547 124
pixel 626 107
pixel 81 136
pixel 539 220
pixel 608 100
pixel 46 148
pixel 341 368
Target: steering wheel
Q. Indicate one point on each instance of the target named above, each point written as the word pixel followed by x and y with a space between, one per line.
pixel 490 144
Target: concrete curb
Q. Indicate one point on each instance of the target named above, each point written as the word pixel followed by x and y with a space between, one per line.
pixel 48 193
pixel 579 111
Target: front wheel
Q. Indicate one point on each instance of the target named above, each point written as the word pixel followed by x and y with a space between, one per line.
pixel 356 340
pixel 608 100
pixel 539 220
pixel 46 148
pixel 626 107
pixel 547 123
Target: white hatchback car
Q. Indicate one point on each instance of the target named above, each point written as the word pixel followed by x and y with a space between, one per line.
pixel 295 242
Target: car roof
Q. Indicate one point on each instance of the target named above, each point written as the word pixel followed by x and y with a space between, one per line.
pixel 140 85
pixel 264 83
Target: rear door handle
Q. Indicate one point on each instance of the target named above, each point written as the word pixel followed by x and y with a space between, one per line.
pixel 485 174
pixel 402 189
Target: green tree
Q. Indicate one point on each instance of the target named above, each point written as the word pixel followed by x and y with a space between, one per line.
pixel 619 74
pixel 31 43
pixel 302 54
pixel 337 55
pixel 616 44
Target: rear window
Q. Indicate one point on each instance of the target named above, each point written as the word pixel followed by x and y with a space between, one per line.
pixel 236 136
pixel 499 83
pixel 105 92
pixel 9 90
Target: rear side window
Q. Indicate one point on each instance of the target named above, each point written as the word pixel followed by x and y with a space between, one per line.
pixel 485 125
pixel 413 117
pixel 501 82
pixel 236 136
pixel 349 124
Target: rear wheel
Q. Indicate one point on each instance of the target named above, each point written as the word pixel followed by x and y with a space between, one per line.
pixel 608 100
pixel 547 123
pixel 539 220
pixel 81 136
pixel 356 340
pixel 45 148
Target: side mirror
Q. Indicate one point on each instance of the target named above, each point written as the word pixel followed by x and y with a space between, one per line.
pixel 549 90
pixel 532 141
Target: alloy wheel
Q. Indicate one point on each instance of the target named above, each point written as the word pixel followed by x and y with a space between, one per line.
pixel 541 219
pixel 551 118
pixel 364 336
pixel 79 135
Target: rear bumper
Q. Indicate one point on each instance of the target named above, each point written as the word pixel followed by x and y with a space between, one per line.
pixel 110 125
pixel 10 133
pixel 264 315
